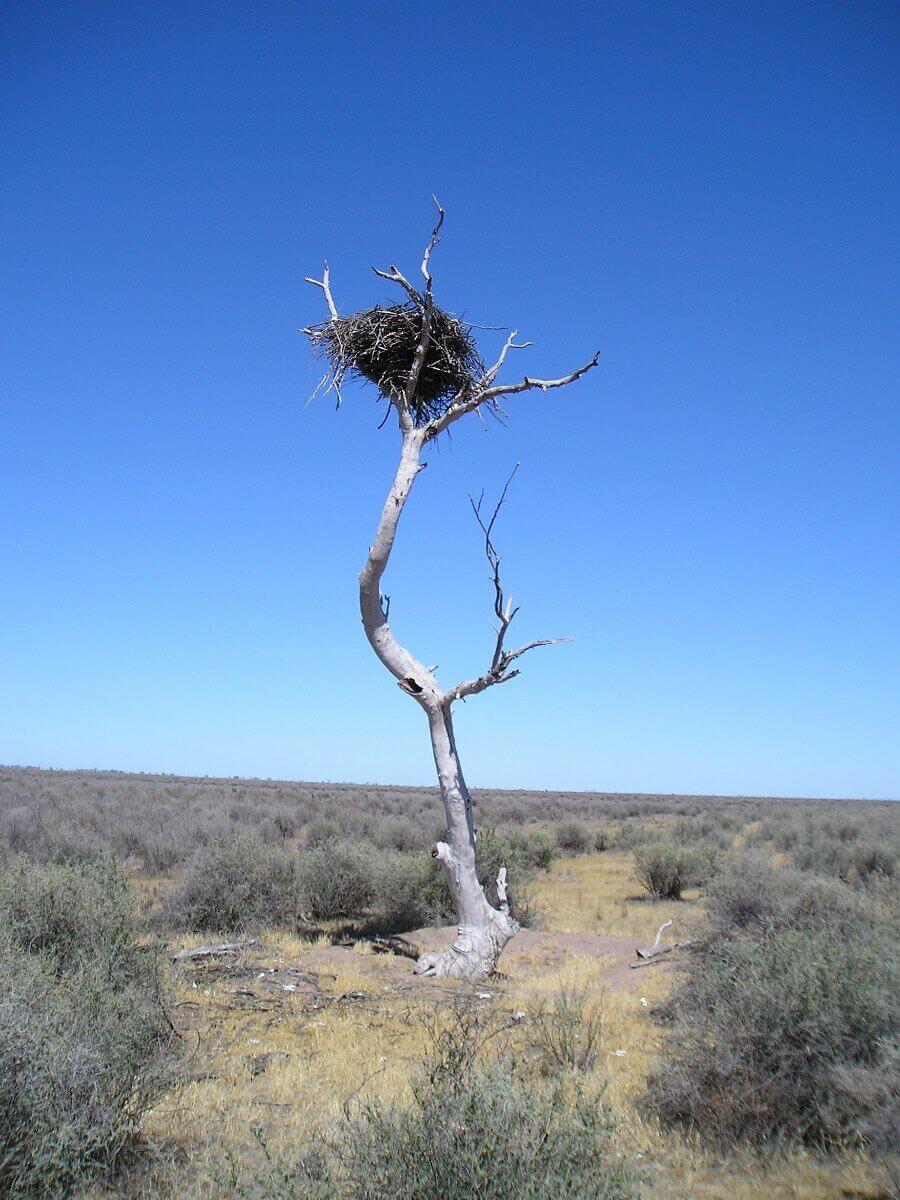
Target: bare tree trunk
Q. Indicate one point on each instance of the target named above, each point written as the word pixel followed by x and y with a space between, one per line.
pixel 483 930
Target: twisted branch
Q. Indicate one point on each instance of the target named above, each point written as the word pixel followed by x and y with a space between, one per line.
pixel 502 659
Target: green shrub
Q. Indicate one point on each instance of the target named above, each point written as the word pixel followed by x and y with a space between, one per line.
pixel 70 914
pixel 662 868
pixel 749 893
pixel 572 837
pixel 336 879
pixel 233 885
pixel 539 847
pixel 398 833
pixel 85 1046
pixel 501 848
pixel 491 1135
pixel 470 1132
pixel 781 1029
pixel 604 840
pixel 410 893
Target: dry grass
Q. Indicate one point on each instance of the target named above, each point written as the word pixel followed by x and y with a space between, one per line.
pixel 281 1061
pixel 598 893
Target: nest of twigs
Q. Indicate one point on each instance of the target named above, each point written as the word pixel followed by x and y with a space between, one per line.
pixel 379 344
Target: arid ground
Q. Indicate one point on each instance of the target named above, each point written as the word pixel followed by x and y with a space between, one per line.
pixel 281 1040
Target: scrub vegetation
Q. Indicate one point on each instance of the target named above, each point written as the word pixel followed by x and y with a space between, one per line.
pixel 757 1058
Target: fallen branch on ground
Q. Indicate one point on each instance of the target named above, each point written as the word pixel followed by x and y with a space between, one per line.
pixel 219 949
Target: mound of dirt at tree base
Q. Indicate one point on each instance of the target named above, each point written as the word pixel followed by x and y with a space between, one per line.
pixel 545 952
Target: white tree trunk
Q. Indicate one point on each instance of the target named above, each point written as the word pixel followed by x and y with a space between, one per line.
pixel 483 931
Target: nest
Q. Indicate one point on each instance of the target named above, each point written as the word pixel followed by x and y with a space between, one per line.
pixel 378 345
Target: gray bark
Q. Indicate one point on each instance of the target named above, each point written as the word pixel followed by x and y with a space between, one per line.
pixel 483 930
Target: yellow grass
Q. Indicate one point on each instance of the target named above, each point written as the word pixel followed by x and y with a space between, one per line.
pixel 370 1048
pixel 599 893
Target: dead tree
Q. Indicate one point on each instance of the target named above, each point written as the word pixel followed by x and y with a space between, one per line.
pixel 426 366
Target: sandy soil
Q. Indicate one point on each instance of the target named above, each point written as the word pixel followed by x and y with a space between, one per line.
pixel 545 953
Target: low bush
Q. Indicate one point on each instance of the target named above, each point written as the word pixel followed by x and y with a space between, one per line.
pixel 751 894
pixel 410 893
pixel 604 839
pixel 782 1027
pixel 85 1046
pixel 502 848
pixel 567 1031
pixel 489 1135
pixel 471 1131
pixel 664 869
pixel 573 837
pixel 397 833
pixel 337 879
pixel 233 885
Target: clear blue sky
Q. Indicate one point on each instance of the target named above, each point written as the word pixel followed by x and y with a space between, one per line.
pixel 708 192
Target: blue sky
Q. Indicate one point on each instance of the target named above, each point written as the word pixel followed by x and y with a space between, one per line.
pixel 707 192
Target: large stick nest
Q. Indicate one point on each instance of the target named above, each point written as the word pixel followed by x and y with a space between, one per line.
pixel 379 344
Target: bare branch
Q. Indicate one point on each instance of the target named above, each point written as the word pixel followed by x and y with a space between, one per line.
pixel 509 344
pixel 395 276
pixel 334 380
pixel 464 403
pixel 432 242
pixel 471 687
pixel 325 284
pixel 425 335
pixel 502 660
pixel 507 389
pixel 503 609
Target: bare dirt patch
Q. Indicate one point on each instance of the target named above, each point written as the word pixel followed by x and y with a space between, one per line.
pixel 544 951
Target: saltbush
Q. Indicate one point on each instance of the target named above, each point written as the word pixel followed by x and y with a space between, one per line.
pixel 471 1131
pixel 85 1046
pixel 336 879
pixel 751 894
pixel 781 1028
pixel 409 893
pixel 496 848
pixel 573 837
pixel 233 885
pixel 664 869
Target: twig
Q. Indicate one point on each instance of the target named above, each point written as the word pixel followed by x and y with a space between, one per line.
pixel 501 660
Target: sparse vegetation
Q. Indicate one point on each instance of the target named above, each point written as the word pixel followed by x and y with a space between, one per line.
pixel 568 1030
pixel 782 1031
pixel 474 1128
pixel 85 1046
pixel 790 1005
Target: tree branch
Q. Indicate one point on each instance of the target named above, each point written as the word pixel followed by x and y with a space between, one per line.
pixel 325 284
pixel 337 377
pixel 425 302
pixel 508 389
pixel 425 334
pixel 509 344
pixel 501 661
pixel 486 394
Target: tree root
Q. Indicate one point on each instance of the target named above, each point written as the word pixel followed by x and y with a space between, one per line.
pixel 475 952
